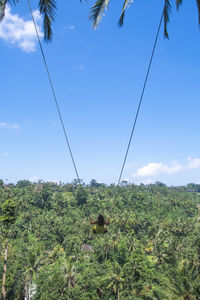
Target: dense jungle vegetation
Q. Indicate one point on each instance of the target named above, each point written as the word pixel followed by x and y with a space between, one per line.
pixel 151 250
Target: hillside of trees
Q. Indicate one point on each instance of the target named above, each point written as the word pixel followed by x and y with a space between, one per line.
pixel 48 250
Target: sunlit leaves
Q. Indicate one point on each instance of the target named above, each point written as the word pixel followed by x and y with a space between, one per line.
pixel 97 11
pixel 125 6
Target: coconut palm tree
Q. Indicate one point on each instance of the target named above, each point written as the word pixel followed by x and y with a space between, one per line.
pixel 69 270
pixel 4 271
pixel 7 219
pixel 184 279
pixel 116 280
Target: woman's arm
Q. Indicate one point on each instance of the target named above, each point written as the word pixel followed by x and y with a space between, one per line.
pixel 91 221
pixel 107 223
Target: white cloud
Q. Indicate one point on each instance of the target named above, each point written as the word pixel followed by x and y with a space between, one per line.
pixel 2 124
pixel 53 181
pixel 153 168
pixel 80 67
pixel 193 163
pixel 33 179
pixel 131 165
pixel 14 126
pixel 16 31
pixel 28 123
pixel 5 153
pixel 71 27
pixel 148 181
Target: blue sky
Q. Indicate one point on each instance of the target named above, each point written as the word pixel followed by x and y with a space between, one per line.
pixel 98 77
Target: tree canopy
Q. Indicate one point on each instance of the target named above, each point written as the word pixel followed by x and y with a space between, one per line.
pixel 151 250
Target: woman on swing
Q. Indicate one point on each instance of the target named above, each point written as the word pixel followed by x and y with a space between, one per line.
pixel 100 224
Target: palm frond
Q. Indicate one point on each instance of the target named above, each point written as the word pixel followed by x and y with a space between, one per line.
pixel 178 3
pixel 125 6
pixel 198 6
pixel 2 9
pixel 97 11
pixel 167 10
pixel 3 4
pixel 48 10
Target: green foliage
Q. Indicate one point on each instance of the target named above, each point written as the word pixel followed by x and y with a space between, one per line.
pixel 8 210
pixel 23 183
pixel 151 250
pixel 81 195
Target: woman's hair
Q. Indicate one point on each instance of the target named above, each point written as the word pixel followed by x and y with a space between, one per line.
pixel 100 220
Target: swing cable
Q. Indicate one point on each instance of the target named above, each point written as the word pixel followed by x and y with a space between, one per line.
pixel 142 94
pixel 54 94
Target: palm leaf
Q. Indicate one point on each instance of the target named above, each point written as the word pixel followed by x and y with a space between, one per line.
pixel 115 288
pixel 178 3
pixel 3 4
pixel 47 9
pixel 110 284
pixel 97 11
pixel 167 9
pixel 2 9
pixel 125 6
pixel 3 218
pixel 198 6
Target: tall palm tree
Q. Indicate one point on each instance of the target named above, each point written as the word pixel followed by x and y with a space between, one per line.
pixel 69 270
pixel 184 279
pixel 4 271
pixel 116 280
pixel 7 219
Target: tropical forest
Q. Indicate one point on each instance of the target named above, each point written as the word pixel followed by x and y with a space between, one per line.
pixel 78 99
pixel 48 249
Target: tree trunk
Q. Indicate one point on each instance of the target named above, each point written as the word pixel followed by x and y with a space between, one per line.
pixel 4 272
